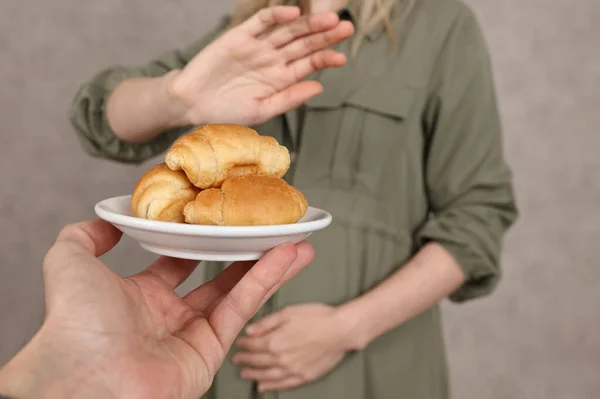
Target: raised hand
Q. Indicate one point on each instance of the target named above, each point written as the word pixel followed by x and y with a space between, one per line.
pixel 254 71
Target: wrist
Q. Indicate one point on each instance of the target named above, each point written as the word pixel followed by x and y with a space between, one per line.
pixel 44 369
pixel 27 374
pixel 18 377
pixel 139 109
pixel 174 101
pixel 182 104
pixel 355 336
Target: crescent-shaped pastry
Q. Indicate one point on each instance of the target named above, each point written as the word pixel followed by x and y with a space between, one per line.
pixel 161 194
pixel 214 153
pixel 247 201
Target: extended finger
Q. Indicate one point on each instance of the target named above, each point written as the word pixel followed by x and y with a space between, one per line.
pixel 317 61
pixel 303 26
pixel 171 271
pixel 317 41
pixel 267 17
pixel 304 256
pixel 95 237
pixel 281 385
pixel 266 324
pixel 207 296
pixel 244 300
pixel 254 359
pixel 253 344
pixel 288 99
pixel 268 374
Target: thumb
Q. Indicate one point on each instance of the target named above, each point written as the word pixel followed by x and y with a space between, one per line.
pixel 82 241
pixel 70 266
pixel 93 237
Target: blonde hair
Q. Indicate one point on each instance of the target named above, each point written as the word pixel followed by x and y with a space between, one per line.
pixel 371 15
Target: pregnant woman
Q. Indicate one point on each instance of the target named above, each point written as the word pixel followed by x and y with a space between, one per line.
pixel 403 146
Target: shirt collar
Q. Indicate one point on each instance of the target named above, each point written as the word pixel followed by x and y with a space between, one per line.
pixel 350 13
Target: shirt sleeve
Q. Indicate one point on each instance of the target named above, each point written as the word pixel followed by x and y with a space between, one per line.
pixel 469 184
pixel 88 116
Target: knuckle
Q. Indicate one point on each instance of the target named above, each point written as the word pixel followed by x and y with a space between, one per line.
pixel 50 256
pixel 305 376
pixel 68 231
pixel 319 60
pixel 298 28
pixel 279 360
pixel 239 357
pixel 284 361
pixel 307 25
pixel 271 346
pixel 264 16
pixel 309 42
pixel 290 310
pixel 296 369
pixel 284 312
pixel 177 89
pixel 74 232
pixel 258 117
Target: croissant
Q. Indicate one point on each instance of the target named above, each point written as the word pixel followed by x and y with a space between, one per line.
pixel 161 194
pixel 214 153
pixel 247 201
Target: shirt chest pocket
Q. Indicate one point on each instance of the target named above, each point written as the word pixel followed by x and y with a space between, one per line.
pixel 349 140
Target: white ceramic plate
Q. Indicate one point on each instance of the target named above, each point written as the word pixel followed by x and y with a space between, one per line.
pixel 221 243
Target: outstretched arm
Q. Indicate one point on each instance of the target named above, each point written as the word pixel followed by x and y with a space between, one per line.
pixel 110 337
pixel 248 75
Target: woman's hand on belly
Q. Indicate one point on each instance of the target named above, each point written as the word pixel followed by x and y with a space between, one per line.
pixel 294 346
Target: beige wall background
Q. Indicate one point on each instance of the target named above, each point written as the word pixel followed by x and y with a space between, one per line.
pixel 537 337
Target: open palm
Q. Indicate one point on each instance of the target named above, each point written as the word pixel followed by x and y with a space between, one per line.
pixel 147 340
pixel 254 71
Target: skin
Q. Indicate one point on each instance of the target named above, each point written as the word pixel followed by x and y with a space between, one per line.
pixel 301 343
pixel 110 337
pixel 259 66
pixel 175 345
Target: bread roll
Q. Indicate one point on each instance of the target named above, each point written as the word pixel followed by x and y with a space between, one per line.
pixel 247 201
pixel 161 194
pixel 213 153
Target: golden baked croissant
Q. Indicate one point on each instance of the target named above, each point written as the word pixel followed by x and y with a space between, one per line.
pixel 247 201
pixel 161 194
pixel 213 153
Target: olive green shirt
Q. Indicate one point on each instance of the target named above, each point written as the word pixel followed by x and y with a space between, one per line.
pixel 403 147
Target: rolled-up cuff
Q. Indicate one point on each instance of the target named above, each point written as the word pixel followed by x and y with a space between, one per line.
pixel 88 117
pixel 481 271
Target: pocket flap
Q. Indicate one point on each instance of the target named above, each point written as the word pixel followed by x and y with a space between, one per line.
pixel 380 96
